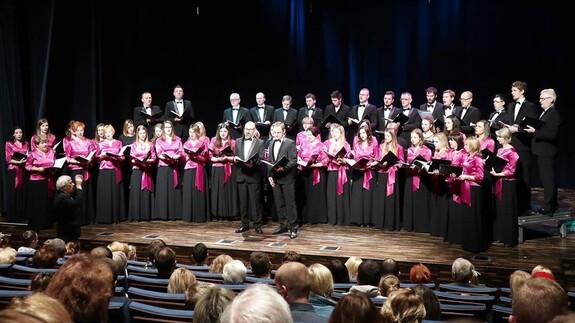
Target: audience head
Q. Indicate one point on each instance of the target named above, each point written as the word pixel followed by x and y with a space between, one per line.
pixel 165 262
pixel 154 246
pixel 30 239
pixel 538 300
pixel 234 272
pixel 7 255
pixel 59 245
pixel 195 292
pixel 430 302
pixel 338 271
pixel 40 306
pixel 542 271
pixel 133 253
pixel 293 282
pixel 119 246
pixel 4 241
pixel 259 303
pixel 355 308
pixel 72 247
pixel 45 257
pixel 352 263
pixel 180 280
pixel 516 279
pixel 369 273
pixel 212 304
pixel 321 280
pixel 390 267
pixel 462 270
pixel 84 286
pixel 419 273
pixel 40 281
pixel 219 263
pixel 200 253
pixel 121 262
pixel 260 264
pixel 101 252
pixel 388 284
pixel 292 255
pixel 403 305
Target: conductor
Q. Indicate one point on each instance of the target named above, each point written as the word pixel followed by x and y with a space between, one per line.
pixel 68 207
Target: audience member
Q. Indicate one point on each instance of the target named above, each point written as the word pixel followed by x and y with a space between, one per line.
pixel 542 271
pixel 368 276
pixel 321 289
pixel 430 302
pixel 338 271
pixel 538 300
pixel 462 271
pixel 212 304
pixel 355 308
pixel 403 305
pixel 352 263
pixel 154 246
pixel 419 273
pixel 292 255
pixel 119 246
pixel 200 254
pixel 40 306
pixel 59 245
pixel 133 253
pixel 259 303
pixel 293 283
pixel 219 263
pixel 234 272
pixel 101 252
pixel 180 280
pixel 516 279
pixel 388 284
pixel 72 248
pixel 260 264
pixel 121 262
pixel 45 257
pixel 390 267
pixel 7 255
pixel 165 262
pixel 40 281
pixel 195 292
pixel 13 316
pixel 29 242
pixel 84 286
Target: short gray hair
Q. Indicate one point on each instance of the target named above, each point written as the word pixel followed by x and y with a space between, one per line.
pixel 259 303
pixel 462 270
pixel 234 272
pixel 62 181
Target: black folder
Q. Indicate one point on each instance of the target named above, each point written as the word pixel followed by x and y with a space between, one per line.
pixel 359 164
pixel 19 156
pixel 390 158
pixel 439 124
pixel 279 163
pixel 330 119
pixel 495 162
pixel 447 170
pixel 400 118
pixel 436 163
pixel 145 115
pixel 340 154
pixel 194 152
pixel 250 158
pixel 419 161
pixel 530 121
pixel 227 151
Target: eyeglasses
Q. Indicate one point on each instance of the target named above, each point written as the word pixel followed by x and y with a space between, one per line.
pixel 497 101
pixel 545 98
pixel 464 99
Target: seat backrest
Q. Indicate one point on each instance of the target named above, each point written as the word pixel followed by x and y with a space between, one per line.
pixel 19 271
pixel 571 296
pixel 215 278
pixel 409 285
pixel 237 288
pixel 469 290
pixel 149 283
pixel 165 300
pixel 456 298
pixel 194 268
pixel 144 313
pixel 342 287
pixel 9 283
pixel 6 296
pixel 251 279
pixel 141 271
pixel 457 311
pixel 500 314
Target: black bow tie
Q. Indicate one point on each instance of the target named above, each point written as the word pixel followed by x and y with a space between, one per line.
pixel 387 108
pixel 362 105
pixel 406 109
pixel 517 103
pixel 235 109
pixel 179 102
pixel 278 140
pixel 261 107
pixel 430 105
pixel 310 109
pixel 247 139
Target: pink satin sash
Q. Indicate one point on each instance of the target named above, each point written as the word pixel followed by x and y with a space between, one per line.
pixel 227 172
pixel 19 177
pixel 146 182
pixel 391 180
pixel 367 175
pixel 200 178
pixel 461 191
pixel 316 176
pixel 341 179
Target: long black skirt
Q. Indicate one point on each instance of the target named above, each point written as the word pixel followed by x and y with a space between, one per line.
pixel 361 198
pixel 505 228
pixel 140 201
pixel 416 205
pixel 195 203
pixel 39 208
pixel 168 199
pixel 439 211
pixel 314 210
pixel 15 198
pixel 224 197
pixel 474 235
pixel 88 208
pixel 109 198
pixel 386 209
pixel 338 206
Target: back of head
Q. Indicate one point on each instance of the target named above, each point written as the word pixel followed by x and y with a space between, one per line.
pixel 59 245
pixel 121 261
pixel 369 273
pixel 14 316
pixel 430 301
pixel 539 300
pixel 101 252
pixel 388 284
pixel 259 303
pixel 180 280
pixel 29 239
pixel 419 273
pixel 234 272
pixel 7 255
pixel 294 280
pixel 41 306
pixel 45 257
pixel 260 264
pixel 403 305
pixel 40 281
pixel 462 270
pixel 354 308
pixel 84 286
pixel 292 255
pixel 195 292
pixel 165 262
pixel 390 267
pixel 154 246
pixel 338 271
pixel 321 280
pixel 212 304
pixel 517 278
pixel 200 253
pixel 352 263
pixel 219 263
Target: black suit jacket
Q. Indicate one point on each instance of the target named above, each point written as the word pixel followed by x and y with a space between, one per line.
pixel 437 110
pixel 317 116
pixel 68 212
pixel 521 139
pixel 381 122
pixel 342 114
pixel 243 117
pixel 413 122
pixel 290 121
pixel 287 149
pixel 471 117
pixel 140 120
pixel 545 140
pixel 188 117
pixel 263 128
pixel 370 113
pixel 245 173
pixel 494 124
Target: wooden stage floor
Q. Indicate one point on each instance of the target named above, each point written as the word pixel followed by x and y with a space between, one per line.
pixel 321 242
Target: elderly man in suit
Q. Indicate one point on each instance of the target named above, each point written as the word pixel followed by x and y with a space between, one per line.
pixel 236 116
pixel 147 114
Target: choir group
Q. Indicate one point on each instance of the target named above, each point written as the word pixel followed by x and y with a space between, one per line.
pixel 437 169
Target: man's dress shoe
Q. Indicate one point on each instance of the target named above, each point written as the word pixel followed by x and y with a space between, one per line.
pixel 242 229
pixel 280 230
pixel 293 234
pixel 259 231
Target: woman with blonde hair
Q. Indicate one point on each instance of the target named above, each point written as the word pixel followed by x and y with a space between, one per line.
pixel 180 280
pixel 404 306
pixel 142 159
pixel 110 207
pixel 338 188
pixel 219 263
pixel 352 263
pixel 196 180
pixel 440 198
pixel 168 200
pixel 321 289
pixel 388 284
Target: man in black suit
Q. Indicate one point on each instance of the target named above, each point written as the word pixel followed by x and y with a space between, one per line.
pixel 468 114
pixel 262 114
pixel 147 115
pixel 384 112
pixel 497 116
pixel 338 109
pixel 68 207
pixel 544 147
pixel 180 112
pixel 249 151
pixel 310 110
pixel 521 140
pixel 236 116
pixel 364 110
pixel 413 121
pixel 288 116
pixel 282 179
pixel 432 105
